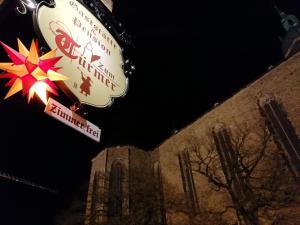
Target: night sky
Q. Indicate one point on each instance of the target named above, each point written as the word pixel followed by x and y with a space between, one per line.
pixel 188 55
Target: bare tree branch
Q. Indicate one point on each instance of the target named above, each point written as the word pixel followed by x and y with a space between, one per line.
pixel 249 176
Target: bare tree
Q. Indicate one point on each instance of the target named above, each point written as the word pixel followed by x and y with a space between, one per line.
pixel 247 164
pixel 175 202
pixel 73 215
pixel 74 212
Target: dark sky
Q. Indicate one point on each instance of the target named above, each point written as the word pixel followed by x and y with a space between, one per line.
pixel 188 56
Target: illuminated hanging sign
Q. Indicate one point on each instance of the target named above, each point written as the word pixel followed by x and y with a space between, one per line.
pixel 92 57
pixel 108 4
pixel 68 117
pixel 29 72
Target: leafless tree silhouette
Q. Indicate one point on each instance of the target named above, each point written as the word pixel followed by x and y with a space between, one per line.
pixel 246 162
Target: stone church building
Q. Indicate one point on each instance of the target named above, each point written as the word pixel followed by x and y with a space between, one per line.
pixel 237 164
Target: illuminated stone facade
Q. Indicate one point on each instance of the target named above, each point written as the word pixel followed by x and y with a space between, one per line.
pixel 271 102
pixel 244 154
pixel 123 186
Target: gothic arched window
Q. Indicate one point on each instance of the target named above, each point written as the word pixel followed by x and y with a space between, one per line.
pixel 188 181
pixel 98 199
pixel 116 190
pixel 229 161
pixel 282 129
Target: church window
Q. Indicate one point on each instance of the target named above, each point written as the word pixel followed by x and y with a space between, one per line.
pixel 283 130
pixel 115 203
pixel 188 181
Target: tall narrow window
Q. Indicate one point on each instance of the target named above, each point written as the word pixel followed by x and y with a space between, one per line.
pixel 99 199
pixel 159 196
pixel 283 130
pixel 115 203
pixel 188 181
pixel 238 185
pixel 229 162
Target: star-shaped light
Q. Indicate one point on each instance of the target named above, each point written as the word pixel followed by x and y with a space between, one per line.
pixel 30 72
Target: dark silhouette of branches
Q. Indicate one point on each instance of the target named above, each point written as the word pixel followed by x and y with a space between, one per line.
pixel 246 162
pixel 74 213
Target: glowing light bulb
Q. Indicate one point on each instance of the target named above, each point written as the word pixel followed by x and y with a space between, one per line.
pixel 40 88
pixel 30 72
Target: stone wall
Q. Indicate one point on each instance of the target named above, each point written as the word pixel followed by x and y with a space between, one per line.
pixel 136 170
pixel 175 186
pixel 238 112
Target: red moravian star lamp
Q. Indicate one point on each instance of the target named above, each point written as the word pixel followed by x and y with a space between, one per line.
pixel 29 72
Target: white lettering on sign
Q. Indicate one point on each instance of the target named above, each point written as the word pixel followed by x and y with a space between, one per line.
pixel 68 117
